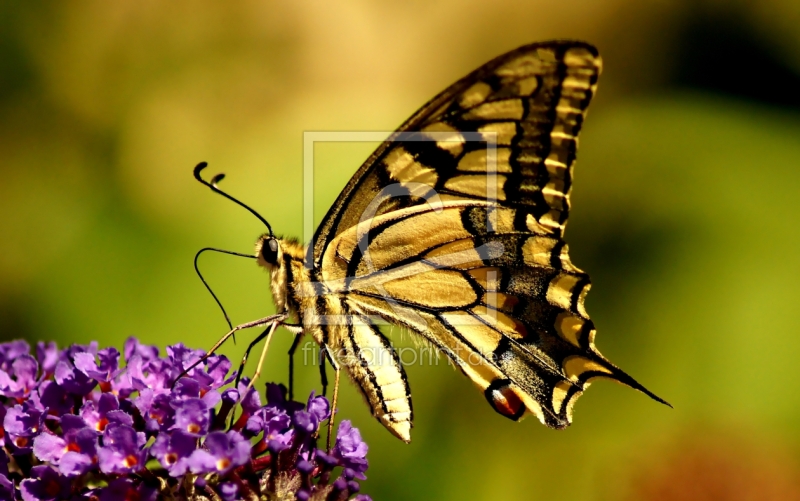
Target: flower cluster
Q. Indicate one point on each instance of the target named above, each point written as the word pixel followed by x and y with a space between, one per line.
pixel 77 425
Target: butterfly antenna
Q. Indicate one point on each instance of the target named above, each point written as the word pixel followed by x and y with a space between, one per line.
pixel 213 185
pixel 197 270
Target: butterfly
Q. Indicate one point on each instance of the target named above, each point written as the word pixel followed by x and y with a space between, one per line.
pixel 453 229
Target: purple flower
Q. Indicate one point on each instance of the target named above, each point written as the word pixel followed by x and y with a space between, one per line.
pixel 340 484
pixel 44 484
pixel 155 375
pixel 156 409
pixel 188 387
pixel 276 395
pixel 230 395
pixel 328 460
pixel 192 416
pixel 11 351
pixel 318 407
pixel 134 347
pixel 350 449
pixel 251 400
pixel 22 424
pixel 6 489
pixel 22 379
pixel 215 375
pixel 274 422
pixel 228 491
pixel 305 467
pixel 47 356
pixel 122 450
pixel 305 423
pixel 72 380
pixel 173 451
pixel 104 412
pixel 105 371
pixel 69 352
pixel 127 489
pixel 54 416
pixel 181 358
pixel 223 452
pixel 55 399
pixel 75 453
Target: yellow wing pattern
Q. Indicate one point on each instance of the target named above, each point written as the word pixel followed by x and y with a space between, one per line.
pixel 506 132
pixel 453 228
pixel 505 305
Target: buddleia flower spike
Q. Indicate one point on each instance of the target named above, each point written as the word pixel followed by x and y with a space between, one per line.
pixel 78 424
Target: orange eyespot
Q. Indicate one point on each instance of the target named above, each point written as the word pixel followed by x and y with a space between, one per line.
pixel 503 399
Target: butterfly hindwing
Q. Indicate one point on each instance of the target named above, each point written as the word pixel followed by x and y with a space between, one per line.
pixel 502 301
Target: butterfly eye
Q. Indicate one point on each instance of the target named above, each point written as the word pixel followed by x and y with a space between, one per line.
pixel 269 251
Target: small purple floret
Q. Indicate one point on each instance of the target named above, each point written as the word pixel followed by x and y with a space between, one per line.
pixel 44 484
pixel 6 488
pixel 122 450
pixel 228 491
pixel 223 452
pixel 350 449
pixel 173 451
pixel 22 424
pixel 128 489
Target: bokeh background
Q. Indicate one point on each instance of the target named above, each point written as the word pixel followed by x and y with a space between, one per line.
pixel 685 212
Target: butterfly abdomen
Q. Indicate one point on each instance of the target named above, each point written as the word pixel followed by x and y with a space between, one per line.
pixel 374 366
pixel 351 338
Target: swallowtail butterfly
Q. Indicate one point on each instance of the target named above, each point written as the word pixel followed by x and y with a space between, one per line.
pixel 454 230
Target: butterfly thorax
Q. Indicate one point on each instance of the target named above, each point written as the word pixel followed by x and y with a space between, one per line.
pixel 284 262
pixel 292 285
pixel 322 310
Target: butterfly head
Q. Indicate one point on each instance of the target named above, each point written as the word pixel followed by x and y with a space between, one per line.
pixel 281 258
pixel 268 252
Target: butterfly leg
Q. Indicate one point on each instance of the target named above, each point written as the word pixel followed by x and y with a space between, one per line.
pixel 272 319
pixel 297 338
pixel 295 329
pixel 336 368
pixel 260 365
pixel 241 367
pixel 246 355
pixel 323 376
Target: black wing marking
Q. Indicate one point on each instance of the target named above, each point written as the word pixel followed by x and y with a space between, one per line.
pixel 530 103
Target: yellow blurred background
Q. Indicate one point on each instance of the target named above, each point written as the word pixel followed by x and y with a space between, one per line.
pixel 685 213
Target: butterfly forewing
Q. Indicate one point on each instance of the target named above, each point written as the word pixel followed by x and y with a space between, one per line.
pixel 522 111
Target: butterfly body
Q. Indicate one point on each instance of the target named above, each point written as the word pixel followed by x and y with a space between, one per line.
pixel 323 310
pixel 453 229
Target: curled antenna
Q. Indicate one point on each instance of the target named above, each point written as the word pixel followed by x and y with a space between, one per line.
pixel 213 185
pixel 197 269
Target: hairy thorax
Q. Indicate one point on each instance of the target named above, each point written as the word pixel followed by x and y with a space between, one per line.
pixel 293 290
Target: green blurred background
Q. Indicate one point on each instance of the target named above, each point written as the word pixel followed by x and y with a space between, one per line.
pixel 685 212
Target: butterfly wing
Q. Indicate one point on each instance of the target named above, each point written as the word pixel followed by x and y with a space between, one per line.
pixel 482 172
pixel 529 103
pixel 503 301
